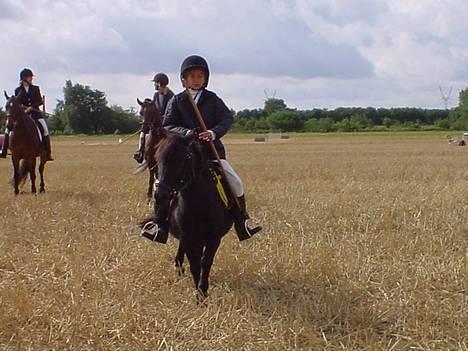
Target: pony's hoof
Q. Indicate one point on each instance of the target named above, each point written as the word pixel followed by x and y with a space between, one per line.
pixel 202 298
pixel 180 271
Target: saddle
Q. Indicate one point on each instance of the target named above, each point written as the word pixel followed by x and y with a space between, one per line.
pixel 39 128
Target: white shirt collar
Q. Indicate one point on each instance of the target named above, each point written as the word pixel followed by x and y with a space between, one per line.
pixel 196 94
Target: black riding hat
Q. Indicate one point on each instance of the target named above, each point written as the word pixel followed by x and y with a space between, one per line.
pixel 26 73
pixel 161 78
pixel 195 61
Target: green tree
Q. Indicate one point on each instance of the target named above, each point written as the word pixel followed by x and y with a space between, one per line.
pixel 273 105
pixel 286 120
pixel 346 125
pixel 361 121
pixel 442 124
pixel 122 120
pixel 387 122
pixel 312 125
pixel 85 110
pixel 326 125
pixel 2 117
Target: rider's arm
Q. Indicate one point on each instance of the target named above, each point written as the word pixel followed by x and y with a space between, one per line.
pixel 37 99
pixel 172 118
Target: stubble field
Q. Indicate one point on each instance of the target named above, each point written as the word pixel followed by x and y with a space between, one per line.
pixel 364 249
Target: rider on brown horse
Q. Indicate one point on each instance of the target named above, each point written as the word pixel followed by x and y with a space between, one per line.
pixel 160 99
pixel 180 118
pixel 30 97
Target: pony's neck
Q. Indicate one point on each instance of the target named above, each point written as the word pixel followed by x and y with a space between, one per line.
pixel 20 117
pixel 200 178
pixel 153 117
pixel 24 125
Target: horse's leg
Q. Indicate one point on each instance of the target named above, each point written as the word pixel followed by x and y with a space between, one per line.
pixel 179 260
pixel 150 184
pixel 194 254
pixel 41 174
pixel 16 165
pixel 32 174
pixel 206 263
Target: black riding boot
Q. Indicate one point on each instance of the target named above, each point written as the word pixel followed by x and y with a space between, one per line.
pixel 160 233
pixel 4 151
pixel 140 153
pixel 159 230
pixel 48 148
pixel 241 218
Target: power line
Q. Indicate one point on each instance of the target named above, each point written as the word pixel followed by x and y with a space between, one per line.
pixel 445 96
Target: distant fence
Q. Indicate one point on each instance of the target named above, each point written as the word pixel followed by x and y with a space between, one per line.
pixel 272 136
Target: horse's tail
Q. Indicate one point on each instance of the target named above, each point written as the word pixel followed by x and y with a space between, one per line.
pixel 23 172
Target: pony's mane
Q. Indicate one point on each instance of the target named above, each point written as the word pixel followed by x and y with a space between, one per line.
pixel 167 146
pixel 172 145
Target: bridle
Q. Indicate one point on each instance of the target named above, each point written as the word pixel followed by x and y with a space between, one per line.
pixel 188 175
pixel 11 119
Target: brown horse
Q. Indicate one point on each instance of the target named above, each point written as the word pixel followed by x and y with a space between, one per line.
pixel 25 146
pixel 152 125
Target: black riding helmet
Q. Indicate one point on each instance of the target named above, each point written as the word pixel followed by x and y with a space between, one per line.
pixel 162 79
pixel 25 73
pixel 192 62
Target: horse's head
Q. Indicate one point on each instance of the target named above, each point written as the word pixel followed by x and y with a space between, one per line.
pixel 13 108
pixel 151 116
pixel 179 160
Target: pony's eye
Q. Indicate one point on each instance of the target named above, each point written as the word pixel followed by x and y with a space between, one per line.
pixel 11 104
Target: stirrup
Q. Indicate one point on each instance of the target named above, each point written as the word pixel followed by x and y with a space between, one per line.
pixel 150 231
pixel 252 231
pixel 247 232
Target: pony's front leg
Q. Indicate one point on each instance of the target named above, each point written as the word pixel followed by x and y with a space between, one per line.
pixel 32 175
pixel 206 264
pixel 41 174
pixel 16 165
pixel 150 184
pixel 194 254
pixel 179 260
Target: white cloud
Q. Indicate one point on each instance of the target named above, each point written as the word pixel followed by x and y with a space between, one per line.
pixel 321 53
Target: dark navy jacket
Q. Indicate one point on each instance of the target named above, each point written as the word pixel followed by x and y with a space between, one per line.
pixel 32 98
pixel 167 97
pixel 180 118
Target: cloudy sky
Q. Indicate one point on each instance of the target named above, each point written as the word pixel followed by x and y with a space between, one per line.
pixel 313 53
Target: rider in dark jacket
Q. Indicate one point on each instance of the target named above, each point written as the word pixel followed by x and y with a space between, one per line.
pixel 161 97
pixel 30 97
pixel 180 118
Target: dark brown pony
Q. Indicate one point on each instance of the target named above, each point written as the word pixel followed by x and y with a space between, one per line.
pixel 25 146
pixel 197 218
pixel 152 124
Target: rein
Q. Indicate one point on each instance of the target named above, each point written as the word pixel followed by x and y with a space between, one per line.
pixel 185 182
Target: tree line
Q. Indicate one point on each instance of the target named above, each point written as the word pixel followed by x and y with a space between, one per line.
pixel 84 110
pixel 275 115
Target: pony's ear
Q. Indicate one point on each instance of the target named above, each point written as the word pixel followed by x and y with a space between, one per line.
pixel 139 102
pixel 6 95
